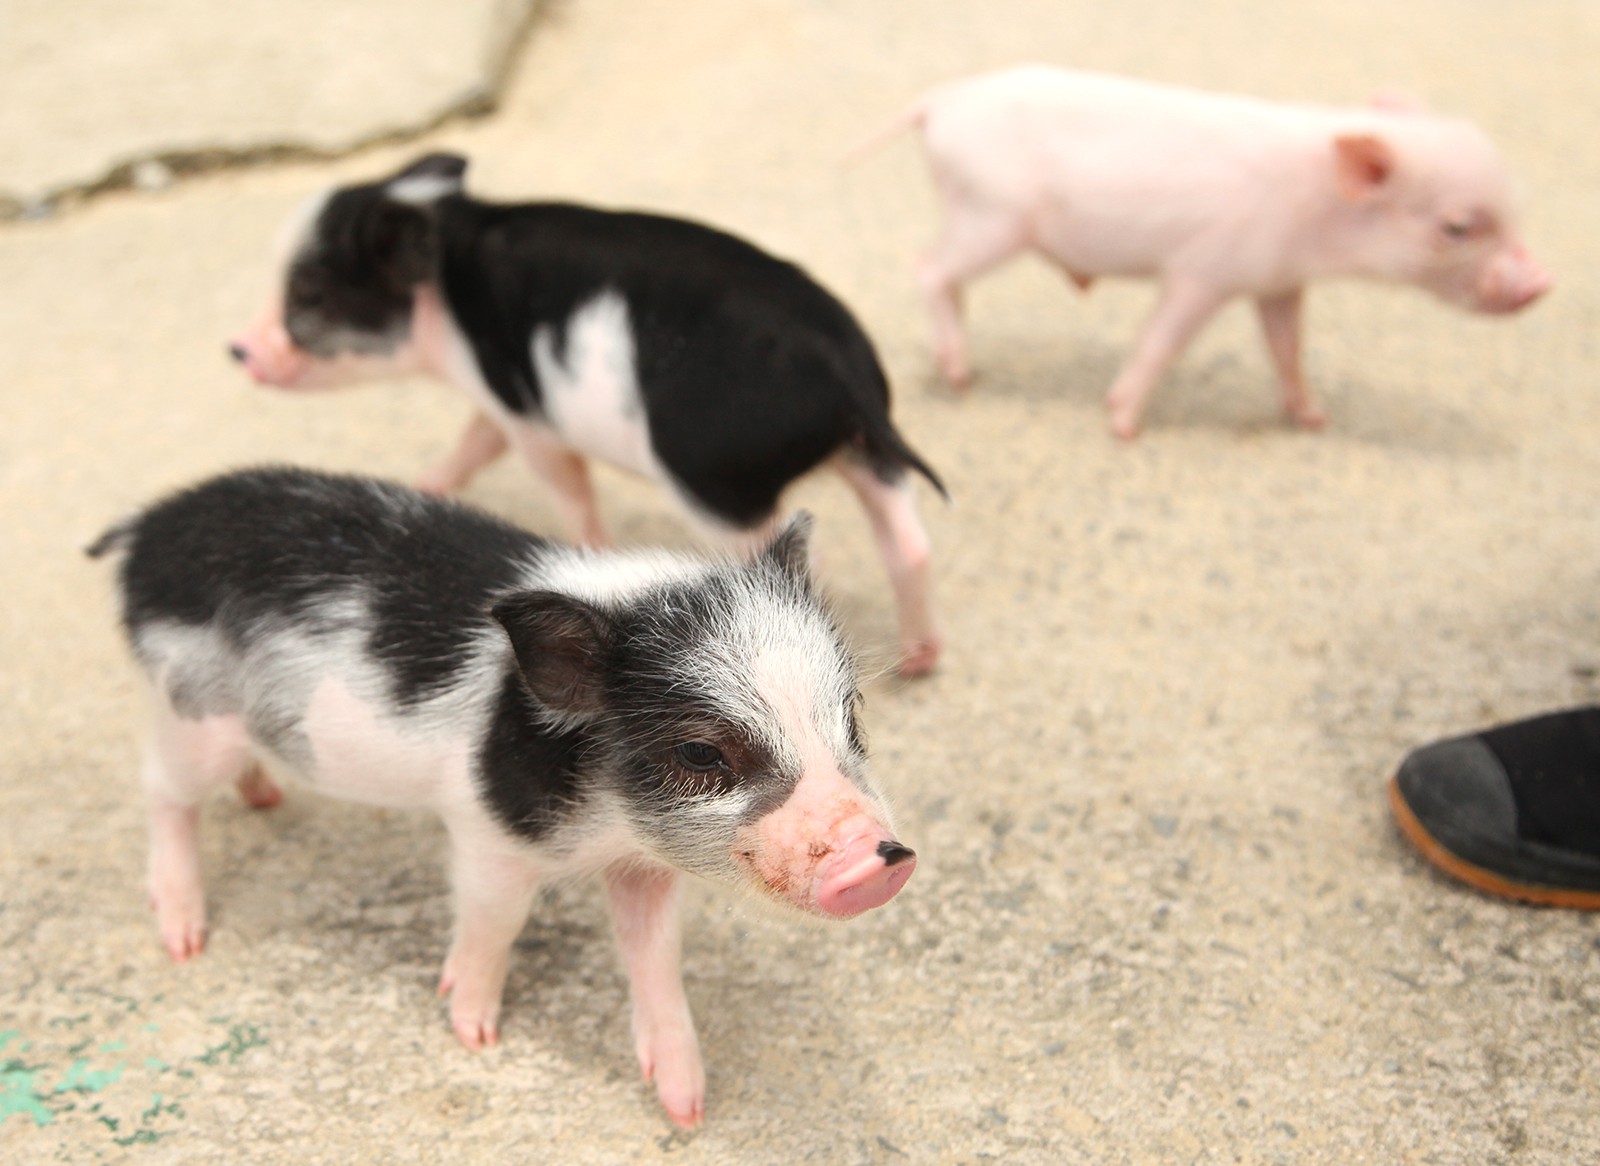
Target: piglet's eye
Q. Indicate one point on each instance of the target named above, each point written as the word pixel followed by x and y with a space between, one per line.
pixel 1457 230
pixel 699 756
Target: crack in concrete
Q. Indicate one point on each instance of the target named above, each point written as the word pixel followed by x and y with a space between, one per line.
pixel 159 169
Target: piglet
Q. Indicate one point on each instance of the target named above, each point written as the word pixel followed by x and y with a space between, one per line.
pixel 1215 197
pixel 667 348
pixel 565 712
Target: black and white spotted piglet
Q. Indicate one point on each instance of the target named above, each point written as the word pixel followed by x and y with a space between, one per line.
pixel 662 346
pixel 564 711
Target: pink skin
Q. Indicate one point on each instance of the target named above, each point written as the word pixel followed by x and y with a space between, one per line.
pixel 183 761
pixel 265 351
pixel 820 850
pixel 1214 197
pixel 645 916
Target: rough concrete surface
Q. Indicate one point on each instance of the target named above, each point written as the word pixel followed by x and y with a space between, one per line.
pixel 94 87
pixel 1162 914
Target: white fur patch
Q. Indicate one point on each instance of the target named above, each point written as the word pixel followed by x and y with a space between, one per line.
pixel 591 397
pixel 615 578
pixel 362 752
pixel 421 189
pixel 778 671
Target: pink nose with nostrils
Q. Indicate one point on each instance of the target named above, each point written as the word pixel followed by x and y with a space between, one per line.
pixel 267 354
pixel 1512 281
pixel 867 873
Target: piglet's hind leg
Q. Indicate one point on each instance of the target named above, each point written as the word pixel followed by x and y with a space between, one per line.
pixel 903 543
pixel 972 244
pixel 185 760
pixel 644 910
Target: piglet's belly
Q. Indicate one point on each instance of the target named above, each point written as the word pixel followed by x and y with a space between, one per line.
pixel 1105 238
pixel 363 753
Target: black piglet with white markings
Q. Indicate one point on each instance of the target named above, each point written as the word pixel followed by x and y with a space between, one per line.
pixel 668 348
pixel 565 712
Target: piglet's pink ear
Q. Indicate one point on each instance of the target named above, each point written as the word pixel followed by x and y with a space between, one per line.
pixel 1396 101
pixel 1363 163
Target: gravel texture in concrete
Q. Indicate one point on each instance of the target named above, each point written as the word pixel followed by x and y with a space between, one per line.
pixel 97 92
pixel 1161 916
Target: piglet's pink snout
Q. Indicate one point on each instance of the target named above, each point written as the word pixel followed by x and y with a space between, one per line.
pixel 268 355
pixel 866 873
pixel 1511 281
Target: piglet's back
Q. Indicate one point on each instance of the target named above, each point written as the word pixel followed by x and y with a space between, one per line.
pixel 276 544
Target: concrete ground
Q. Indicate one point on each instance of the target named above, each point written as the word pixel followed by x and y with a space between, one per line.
pixel 1162 914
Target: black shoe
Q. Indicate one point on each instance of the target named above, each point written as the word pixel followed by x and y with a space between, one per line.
pixel 1513 810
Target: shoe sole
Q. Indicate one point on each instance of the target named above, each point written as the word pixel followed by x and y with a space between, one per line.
pixel 1476 876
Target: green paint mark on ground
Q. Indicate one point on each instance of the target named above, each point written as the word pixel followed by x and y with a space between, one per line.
pixel 242 1037
pixel 158 1107
pixel 19 1093
pixel 80 1078
pixel 47 1092
pixel 140 1138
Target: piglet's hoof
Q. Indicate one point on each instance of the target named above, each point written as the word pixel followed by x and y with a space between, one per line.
pixel 919 658
pixel 1124 423
pixel 259 791
pixel 181 921
pixel 1309 417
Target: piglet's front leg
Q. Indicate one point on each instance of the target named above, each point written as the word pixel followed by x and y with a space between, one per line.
pixel 644 910
pixel 494 889
pixel 481 442
pixel 1280 325
pixel 1184 307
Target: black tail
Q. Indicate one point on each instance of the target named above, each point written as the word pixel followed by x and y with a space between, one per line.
pixel 887 453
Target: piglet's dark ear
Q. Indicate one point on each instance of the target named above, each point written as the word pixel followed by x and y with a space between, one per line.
pixel 790 551
pixel 400 241
pixel 430 177
pixel 560 645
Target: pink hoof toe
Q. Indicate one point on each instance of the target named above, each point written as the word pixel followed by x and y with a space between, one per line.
pixel 919 659
pixel 259 791
pixel 1312 419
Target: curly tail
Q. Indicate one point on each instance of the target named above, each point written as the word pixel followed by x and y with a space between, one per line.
pixel 113 539
pixel 910 117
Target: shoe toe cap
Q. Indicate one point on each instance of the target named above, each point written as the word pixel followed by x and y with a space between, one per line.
pixel 1460 793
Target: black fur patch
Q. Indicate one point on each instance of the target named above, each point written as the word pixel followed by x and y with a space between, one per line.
pixel 281 543
pixel 352 284
pixel 751 373
pixel 529 773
